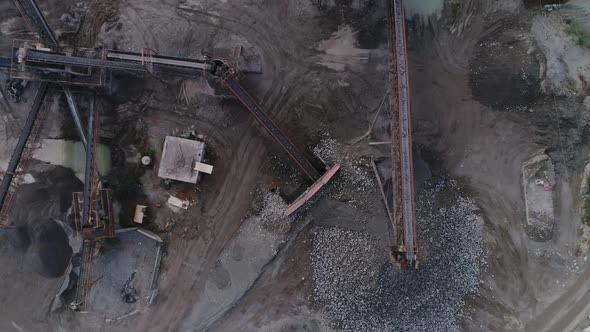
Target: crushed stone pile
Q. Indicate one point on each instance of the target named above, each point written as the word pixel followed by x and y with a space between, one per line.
pixel 355 181
pixel 272 208
pixel 360 291
pixel 269 215
pixel 328 150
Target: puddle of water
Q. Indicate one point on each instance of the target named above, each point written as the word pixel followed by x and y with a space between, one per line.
pixel 72 154
pixel 423 8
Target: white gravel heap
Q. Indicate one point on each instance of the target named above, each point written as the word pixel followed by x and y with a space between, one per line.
pixel 361 291
pixel 273 207
pixel 328 150
pixel 355 181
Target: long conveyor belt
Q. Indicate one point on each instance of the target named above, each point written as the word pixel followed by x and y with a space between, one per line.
pixel 272 128
pixel 124 61
pixel 402 129
pixel 56 58
pixel 159 60
pixel 89 168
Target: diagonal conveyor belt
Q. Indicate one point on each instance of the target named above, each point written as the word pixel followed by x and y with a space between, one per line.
pixel 89 171
pixel 22 142
pixel 37 23
pixel 272 128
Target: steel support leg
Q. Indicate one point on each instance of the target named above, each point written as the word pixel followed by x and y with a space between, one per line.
pixel 75 114
pixel 89 169
pixel 22 142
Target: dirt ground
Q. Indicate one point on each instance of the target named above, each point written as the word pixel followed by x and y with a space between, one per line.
pixel 478 106
pixel 292 86
pixel 486 147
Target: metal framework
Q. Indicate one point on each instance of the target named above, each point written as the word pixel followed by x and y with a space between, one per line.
pixel 60 73
pixel 261 116
pixel 147 59
pixel 30 129
pixel 404 210
pixel 75 114
pixel 93 207
pixel 85 276
pixel 36 21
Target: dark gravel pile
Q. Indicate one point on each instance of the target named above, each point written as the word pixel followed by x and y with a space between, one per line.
pixel 360 291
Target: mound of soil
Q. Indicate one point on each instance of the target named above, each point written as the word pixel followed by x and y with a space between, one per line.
pixel 43 241
pixel 50 249
pixel 505 74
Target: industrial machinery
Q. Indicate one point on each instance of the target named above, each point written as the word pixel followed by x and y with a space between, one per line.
pixel 51 63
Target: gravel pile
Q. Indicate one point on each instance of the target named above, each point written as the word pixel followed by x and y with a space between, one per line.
pixel 355 180
pixel 273 207
pixel 269 215
pixel 346 270
pixel 328 150
pixel 361 291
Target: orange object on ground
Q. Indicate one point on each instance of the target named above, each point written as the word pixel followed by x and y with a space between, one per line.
pixel 308 194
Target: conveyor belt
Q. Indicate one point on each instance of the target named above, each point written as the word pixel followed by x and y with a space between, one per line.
pixel 131 63
pixel 89 171
pixel 272 128
pixel 75 114
pixel 85 274
pixel 160 60
pixel 53 58
pixel 22 142
pixel 37 23
pixel 404 131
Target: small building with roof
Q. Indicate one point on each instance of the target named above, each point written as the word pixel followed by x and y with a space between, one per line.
pixel 182 160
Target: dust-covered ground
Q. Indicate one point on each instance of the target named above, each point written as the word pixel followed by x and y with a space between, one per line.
pixel 492 83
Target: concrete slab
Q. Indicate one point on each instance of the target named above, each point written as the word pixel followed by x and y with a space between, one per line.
pixel 132 253
pixel 178 157
pixel 538 179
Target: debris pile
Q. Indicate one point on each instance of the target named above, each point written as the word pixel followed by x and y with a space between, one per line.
pixel 128 293
pixel 355 178
pixel 15 89
pixel 361 291
pixel 73 17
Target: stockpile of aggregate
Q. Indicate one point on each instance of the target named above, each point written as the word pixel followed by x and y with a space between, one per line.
pixel 360 291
